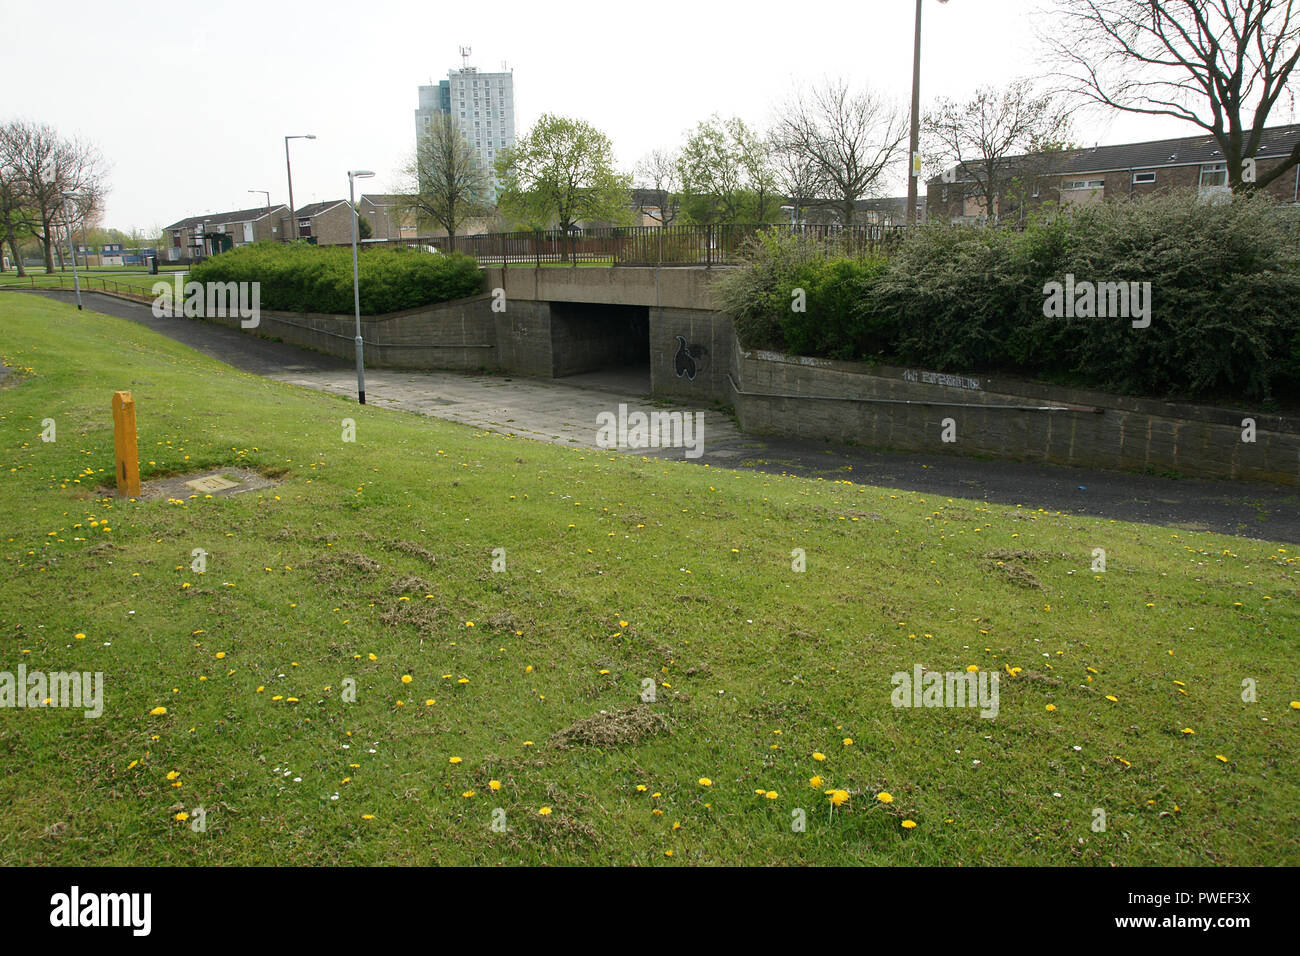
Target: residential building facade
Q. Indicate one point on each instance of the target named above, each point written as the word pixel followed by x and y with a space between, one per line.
pixel 483 106
pixel 1108 172
pixel 201 236
pixel 325 223
pixel 390 216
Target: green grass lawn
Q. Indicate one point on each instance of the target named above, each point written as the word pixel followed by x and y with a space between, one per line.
pixel 371 562
pixel 106 280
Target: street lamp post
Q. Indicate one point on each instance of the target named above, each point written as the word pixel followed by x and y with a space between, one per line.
pixel 293 216
pixel 913 165
pixel 72 245
pixel 353 175
pixel 265 193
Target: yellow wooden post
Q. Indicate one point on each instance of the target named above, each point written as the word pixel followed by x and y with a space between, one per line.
pixel 124 445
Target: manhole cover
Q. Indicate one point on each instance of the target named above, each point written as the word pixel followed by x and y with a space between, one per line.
pixel 210 483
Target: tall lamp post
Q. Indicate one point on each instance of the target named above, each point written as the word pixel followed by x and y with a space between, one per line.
pixel 913 158
pixel 293 215
pixel 72 245
pixel 265 193
pixel 353 175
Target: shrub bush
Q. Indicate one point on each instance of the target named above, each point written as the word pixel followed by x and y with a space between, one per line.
pixel 300 277
pixel 1224 297
pixel 835 319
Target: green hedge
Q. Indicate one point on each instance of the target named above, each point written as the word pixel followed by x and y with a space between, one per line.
pixel 1225 299
pixel 299 277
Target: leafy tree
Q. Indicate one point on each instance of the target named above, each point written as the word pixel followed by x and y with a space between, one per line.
pixel 562 173
pixel 727 175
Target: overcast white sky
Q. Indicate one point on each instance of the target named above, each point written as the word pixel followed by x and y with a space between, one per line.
pixel 190 102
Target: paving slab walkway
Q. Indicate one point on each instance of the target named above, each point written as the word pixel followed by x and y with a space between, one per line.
pixel 564 411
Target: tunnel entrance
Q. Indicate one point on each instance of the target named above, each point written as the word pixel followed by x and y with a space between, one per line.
pixel 594 340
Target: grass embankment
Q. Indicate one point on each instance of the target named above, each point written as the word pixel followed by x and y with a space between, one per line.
pixel 372 562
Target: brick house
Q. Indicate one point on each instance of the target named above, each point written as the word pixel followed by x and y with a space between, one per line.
pixel 390 216
pixel 326 223
pixel 201 236
pixel 1109 172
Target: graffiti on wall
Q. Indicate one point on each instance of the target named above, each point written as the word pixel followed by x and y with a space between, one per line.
pixel 689 358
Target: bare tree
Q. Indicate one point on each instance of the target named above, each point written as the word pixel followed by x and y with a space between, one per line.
pixel 796 175
pixel 13 199
pixel 1219 64
pixel 657 173
pixel 850 139
pixel 48 166
pixel 444 179
pixel 982 135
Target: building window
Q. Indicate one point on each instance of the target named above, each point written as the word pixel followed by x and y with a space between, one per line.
pixel 1214 174
pixel 1084 184
pixel 1144 178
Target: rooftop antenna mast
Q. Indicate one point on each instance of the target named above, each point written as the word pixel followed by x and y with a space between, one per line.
pixel 464 57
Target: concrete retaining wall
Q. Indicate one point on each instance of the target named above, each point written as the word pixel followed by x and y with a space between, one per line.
pixel 450 335
pixel 553 325
pixel 869 405
pixel 690 355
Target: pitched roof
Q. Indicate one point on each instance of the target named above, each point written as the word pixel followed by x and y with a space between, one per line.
pixel 316 208
pixel 386 199
pixel 1276 141
pixel 896 205
pixel 226 218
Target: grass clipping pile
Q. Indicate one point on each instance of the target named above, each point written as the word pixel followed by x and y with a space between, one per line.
pixel 612 728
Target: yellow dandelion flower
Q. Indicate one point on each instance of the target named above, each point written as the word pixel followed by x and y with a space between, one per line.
pixel 885 797
pixel 909 824
pixel 544 812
